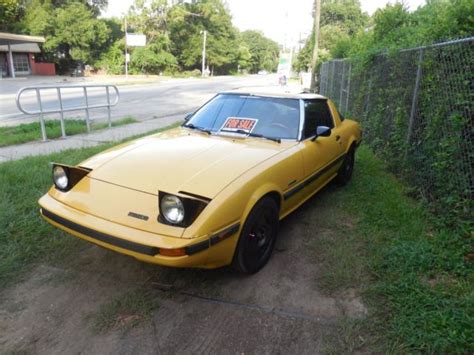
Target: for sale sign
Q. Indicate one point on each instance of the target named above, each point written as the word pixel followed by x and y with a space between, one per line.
pixel 239 125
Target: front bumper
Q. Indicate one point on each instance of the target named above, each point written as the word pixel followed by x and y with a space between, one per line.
pixel 209 251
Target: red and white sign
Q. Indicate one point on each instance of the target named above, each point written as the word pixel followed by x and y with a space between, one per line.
pixel 239 124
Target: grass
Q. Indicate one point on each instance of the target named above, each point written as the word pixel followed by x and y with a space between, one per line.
pixel 125 311
pixel 24 237
pixel 414 274
pixel 28 132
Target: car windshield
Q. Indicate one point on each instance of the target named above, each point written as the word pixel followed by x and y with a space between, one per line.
pixel 247 114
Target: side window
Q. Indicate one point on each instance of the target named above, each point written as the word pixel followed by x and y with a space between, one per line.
pixel 316 114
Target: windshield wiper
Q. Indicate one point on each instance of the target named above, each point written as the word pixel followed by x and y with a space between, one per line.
pixel 257 135
pixel 201 129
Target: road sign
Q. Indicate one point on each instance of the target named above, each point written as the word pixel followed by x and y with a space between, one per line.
pixel 135 40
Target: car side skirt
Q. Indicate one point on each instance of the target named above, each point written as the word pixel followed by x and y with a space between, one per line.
pixel 313 177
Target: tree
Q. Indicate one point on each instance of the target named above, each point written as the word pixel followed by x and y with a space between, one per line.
pixel 77 33
pixel 186 23
pixel 112 60
pixel 340 20
pixel 394 27
pixel 148 60
pixel 38 18
pixel 71 29
pixel 243 55
pixel 150 19
pixel 11 11
pixel 345 14
pixel 440 20
pixel 264 52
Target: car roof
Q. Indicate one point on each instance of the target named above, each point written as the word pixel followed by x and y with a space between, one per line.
pixel 291 92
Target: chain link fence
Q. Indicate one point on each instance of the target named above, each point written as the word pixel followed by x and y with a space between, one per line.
pixel 416 109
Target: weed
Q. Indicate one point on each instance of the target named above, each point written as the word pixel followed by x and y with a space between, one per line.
pixel 125 311
pixel 418 284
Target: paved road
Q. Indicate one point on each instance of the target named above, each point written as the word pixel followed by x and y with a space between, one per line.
pixel 142 101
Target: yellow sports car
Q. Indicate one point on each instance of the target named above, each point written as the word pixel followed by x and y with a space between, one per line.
pixel 211 192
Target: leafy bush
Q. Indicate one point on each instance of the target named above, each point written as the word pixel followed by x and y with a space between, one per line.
pixel 434 152
pixel 150 60
pixel 113 60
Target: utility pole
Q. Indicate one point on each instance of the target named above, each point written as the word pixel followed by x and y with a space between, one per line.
pixel 204 52
pixel 126 54
pixel 314 59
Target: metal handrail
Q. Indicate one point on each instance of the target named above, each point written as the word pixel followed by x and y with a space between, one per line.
pixel 63 109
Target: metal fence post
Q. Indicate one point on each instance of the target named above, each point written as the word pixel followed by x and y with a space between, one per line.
pixel 323 74
pixel 63 128
pixel 348 87
pixel 43 128
pixel 321 78
pixel 367 103
pixel 342 82
pixel 415 98
pixel 88 124
pixel 333 75
pixel 328 86
pixel 108 106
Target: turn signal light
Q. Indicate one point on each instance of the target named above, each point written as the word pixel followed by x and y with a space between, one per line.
pixel 173 252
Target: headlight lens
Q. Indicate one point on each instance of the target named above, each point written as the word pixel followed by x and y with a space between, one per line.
pixel 172 209
pixel 60 177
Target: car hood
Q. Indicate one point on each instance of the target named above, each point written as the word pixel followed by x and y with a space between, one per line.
pixel 180 160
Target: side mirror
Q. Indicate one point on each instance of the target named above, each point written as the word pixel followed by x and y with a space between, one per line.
pixel 188 116
pixel 322 131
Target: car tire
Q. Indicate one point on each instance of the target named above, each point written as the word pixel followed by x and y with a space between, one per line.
pixel 257 238
pixel 345 171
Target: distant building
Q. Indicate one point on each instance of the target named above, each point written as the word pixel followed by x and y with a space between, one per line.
pixel 17 56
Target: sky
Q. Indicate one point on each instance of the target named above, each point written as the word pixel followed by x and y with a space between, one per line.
pixel 284 21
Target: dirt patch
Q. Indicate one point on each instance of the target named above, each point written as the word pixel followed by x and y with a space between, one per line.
pixel 280 309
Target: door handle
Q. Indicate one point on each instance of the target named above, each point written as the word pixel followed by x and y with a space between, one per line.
pixel 338 138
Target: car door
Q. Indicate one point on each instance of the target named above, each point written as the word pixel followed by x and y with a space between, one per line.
pixel 321 156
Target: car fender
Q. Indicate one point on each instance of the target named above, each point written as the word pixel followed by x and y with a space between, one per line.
pixel 252 200
pixel 354 132
pixel 352 141
pixel 257 195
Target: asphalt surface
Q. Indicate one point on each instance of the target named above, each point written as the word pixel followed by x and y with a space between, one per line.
pixel 141 101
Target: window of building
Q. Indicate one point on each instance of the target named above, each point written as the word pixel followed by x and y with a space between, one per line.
pixel 21 63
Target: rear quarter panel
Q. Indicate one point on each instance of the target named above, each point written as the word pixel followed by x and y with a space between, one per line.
pixel 350 130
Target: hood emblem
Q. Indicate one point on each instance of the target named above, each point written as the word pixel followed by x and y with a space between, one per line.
pixel 138 216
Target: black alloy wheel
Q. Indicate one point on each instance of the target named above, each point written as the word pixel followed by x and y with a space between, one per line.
pixel 258 237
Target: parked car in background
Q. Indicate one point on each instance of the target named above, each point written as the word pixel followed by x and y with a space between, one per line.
pixel 211 192
pixel 77 70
